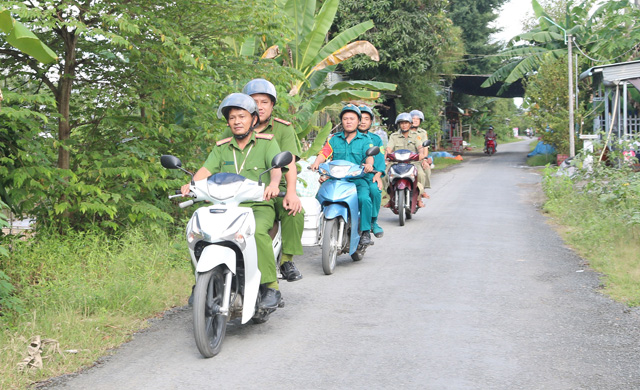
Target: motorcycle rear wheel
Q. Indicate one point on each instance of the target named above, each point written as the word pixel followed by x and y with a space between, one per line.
pixel 209 326
pixel 329 245
pixel 400 202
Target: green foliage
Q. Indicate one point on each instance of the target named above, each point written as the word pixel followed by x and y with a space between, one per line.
pixel 605 33
pixel 600 208
pixel 475 18
pixel 90 291
pixel 546 97
pixel 137 85
pixel 415 40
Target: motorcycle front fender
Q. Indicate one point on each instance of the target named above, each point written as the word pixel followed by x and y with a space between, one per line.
pixel 214 255
pixel 401 184
pixel 334 210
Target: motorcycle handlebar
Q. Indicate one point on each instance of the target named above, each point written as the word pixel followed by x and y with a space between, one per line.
pixel 185 204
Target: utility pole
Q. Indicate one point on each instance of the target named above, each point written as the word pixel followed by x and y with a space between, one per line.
pixel 572 142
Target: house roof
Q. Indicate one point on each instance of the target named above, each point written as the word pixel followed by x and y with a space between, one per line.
pixel 470 84
pixel 612 74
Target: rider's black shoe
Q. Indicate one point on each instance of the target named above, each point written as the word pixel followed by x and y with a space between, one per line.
pixel 270 298
pixel 290 271
pixel 365 238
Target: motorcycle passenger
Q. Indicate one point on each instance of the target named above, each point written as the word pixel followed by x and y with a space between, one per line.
pixel 404 138
pixel 351 145
pixel 490 134
pixel 288 209
pixel 375 180
pixel 248 153
pixel 417 117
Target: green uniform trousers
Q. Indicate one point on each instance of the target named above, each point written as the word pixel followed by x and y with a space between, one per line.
pixel 376 197
pixel 364 203
pixel 292 227
pixel 265 215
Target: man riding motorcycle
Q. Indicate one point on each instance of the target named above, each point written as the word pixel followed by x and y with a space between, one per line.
pixel 404 138
pixel 490 134
pixel 249 154
pixel 351 145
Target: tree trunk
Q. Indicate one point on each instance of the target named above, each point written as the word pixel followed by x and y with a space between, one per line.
pixel 64 96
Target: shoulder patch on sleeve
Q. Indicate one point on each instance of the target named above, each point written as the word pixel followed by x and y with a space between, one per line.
pixel 264 136
pixel 282 121
pixel 223 141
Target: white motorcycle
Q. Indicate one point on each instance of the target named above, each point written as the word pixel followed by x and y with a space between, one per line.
pixel 222 245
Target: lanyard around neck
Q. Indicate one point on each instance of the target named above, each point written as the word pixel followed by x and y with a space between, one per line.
pixel 235 162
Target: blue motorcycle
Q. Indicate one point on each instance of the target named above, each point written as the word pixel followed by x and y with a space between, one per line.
pixel 340 219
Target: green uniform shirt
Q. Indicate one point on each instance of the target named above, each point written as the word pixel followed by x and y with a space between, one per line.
pixel 250 162
pixel 284 134
pixel 354 151
pixel 398 141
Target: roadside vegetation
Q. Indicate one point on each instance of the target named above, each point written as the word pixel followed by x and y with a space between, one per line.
pixel 84 293
pixel 599 212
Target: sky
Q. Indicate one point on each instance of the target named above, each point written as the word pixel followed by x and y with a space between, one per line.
pixel 512 14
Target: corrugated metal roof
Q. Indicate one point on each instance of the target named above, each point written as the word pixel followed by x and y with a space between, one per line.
pixel 614 73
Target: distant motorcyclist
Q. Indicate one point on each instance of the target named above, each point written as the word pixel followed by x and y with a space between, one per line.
pixel 490 134
pixel 406 139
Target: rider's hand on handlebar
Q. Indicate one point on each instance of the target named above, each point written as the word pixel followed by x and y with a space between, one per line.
pixel 271 191
pixel 368 167
pixel 184 190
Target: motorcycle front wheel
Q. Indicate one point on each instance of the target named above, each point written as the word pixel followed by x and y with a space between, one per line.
pixel 400 203
pixel 329 246
pixel 209 325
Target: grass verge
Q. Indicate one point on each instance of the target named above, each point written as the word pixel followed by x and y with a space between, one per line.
pixel 601 215
pixel 89 292
pixel 442 162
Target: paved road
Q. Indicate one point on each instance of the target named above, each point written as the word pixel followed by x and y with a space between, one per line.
pixel 476 292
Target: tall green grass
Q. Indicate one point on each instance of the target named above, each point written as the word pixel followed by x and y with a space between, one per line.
pixel 89 292
pixel 601 212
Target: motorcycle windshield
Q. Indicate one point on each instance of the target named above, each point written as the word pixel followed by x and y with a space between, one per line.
pixel 401 169
pixel 341 169
pixel 224 185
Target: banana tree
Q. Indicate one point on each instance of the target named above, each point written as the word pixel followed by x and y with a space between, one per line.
pixel 313 61
pixel 607 32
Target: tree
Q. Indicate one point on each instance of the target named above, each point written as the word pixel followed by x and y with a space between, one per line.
pixel 136 79
pixel 415 41
pixel 610 31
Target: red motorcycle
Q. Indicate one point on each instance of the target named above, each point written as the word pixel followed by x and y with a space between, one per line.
pixel 403 183
pixel 490 146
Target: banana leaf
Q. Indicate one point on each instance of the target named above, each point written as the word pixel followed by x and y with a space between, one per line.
pixel 312 43
pixel 301 14
pixel 317 144
pixel 342 40
pixel 24 40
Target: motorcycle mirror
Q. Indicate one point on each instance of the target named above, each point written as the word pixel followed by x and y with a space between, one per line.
pixel 281 159
pixel 426 143
pixel 170 162
pixel 372 151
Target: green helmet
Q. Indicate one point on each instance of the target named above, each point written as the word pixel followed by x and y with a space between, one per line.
pixel 366 109
pixel 352 108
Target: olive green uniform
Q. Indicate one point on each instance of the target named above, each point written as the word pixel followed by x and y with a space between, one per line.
pixel 292 226
pixel 422 133
pixel 250 162
pixel 412 142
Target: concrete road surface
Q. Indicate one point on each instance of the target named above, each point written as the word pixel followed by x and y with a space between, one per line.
pixel 477 291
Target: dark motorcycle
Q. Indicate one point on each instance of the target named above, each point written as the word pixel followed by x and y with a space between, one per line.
pixel 403 183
